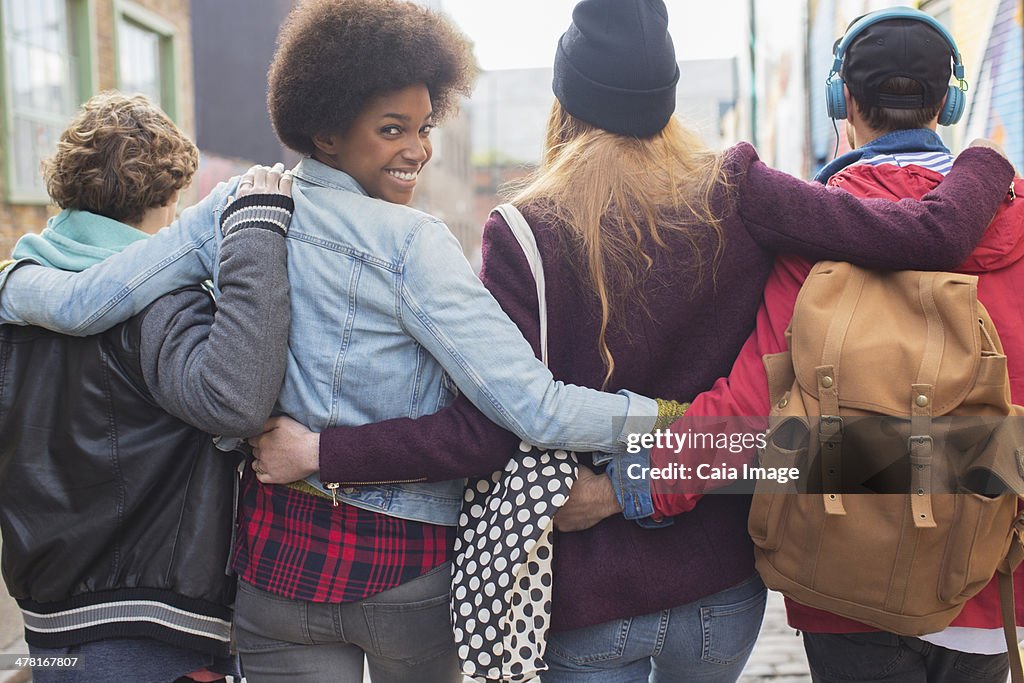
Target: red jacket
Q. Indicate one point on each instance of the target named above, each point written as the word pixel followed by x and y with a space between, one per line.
pixel 997 260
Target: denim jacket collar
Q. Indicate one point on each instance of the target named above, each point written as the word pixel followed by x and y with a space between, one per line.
pixel 907 140
pixel 319 173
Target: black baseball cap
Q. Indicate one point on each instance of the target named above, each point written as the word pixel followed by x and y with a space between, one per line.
pixel 898 47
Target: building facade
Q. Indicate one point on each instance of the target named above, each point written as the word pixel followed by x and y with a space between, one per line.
pixel 58 53
pixel 233 129
pixel 445 188
pixel 988 34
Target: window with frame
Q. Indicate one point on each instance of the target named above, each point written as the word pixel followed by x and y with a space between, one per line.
pixel 145 55
pixel 42 87
pixel 139 57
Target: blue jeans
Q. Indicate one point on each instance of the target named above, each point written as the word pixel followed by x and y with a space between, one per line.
pixel 708 640
pixel 405 634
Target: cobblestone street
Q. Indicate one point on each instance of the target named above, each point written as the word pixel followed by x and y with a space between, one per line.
pixel 779 653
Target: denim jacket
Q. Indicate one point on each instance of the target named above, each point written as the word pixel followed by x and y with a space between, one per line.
pixel 388 318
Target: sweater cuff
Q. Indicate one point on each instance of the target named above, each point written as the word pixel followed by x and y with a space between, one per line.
pixel 266 211
pixel 669 412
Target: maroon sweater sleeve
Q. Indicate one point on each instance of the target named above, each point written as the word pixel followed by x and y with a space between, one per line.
pixel 457 441
pixel 788 215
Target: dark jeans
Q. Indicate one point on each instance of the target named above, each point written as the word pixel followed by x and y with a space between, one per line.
pixel 889 658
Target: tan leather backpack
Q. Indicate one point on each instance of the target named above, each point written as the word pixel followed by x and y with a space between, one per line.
pixel 894 382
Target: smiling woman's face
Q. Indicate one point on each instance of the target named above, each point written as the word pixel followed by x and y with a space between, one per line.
pixel 387 145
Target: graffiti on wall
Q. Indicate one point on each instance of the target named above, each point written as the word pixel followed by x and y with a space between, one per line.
pixel 996 101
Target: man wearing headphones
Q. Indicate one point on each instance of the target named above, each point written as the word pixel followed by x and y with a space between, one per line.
pixel 890 80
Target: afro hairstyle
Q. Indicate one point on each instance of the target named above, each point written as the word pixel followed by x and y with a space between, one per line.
pixel 334 56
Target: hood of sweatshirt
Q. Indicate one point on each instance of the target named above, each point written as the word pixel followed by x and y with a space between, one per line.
pixel 74 240
pixel 1003 241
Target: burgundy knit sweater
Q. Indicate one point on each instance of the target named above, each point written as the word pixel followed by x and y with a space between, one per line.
pixel 698 320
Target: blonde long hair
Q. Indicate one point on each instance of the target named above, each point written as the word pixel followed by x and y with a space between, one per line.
pixel 608 192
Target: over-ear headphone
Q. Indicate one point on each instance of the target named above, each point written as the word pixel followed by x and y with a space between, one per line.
pixel 956 99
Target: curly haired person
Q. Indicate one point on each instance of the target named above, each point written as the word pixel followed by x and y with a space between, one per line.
pixel 115 506
pixel 121 158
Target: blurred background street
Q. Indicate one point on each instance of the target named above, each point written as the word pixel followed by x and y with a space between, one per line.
pixel 750 70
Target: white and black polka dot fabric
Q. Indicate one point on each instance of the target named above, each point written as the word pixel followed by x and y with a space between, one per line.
pixel 501 574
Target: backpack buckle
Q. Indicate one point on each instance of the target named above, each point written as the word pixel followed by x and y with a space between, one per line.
pixel 920 441
pixel 830 428
pixel 920 448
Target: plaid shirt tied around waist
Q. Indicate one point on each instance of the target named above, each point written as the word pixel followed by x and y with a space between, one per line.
pixel 301 547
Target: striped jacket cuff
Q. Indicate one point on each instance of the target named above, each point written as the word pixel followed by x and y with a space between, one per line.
pixel 131 613
pixel 266 211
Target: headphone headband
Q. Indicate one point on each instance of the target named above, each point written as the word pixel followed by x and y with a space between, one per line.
pixel 897 13
pixel 955 102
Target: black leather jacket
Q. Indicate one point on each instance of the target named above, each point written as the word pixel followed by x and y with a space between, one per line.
pixel 116 512
pixel 104 497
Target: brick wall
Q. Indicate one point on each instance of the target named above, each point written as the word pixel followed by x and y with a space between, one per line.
pixel 16 219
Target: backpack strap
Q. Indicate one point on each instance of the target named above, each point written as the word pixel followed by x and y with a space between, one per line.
pixel 1010 625
pixel 1006 598
pixel 920 444
pixel 830 426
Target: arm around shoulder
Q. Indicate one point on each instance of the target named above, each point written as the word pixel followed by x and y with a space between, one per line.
pixel 787 215
pixel 96 299
pixel 221 368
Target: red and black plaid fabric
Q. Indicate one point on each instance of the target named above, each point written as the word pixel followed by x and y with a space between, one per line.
pixel 300 546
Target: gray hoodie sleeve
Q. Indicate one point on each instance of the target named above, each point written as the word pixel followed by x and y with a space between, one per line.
pixel 220 368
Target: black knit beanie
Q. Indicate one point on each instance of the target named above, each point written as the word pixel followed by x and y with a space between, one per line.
pixel 615 67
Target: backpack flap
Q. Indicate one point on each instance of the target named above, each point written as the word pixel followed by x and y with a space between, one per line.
pixel 910 327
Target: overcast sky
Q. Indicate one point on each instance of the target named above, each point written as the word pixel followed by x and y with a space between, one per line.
pixel 514 34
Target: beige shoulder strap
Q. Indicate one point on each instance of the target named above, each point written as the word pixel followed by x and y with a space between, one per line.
pixel 528 243
pixel 1010 626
